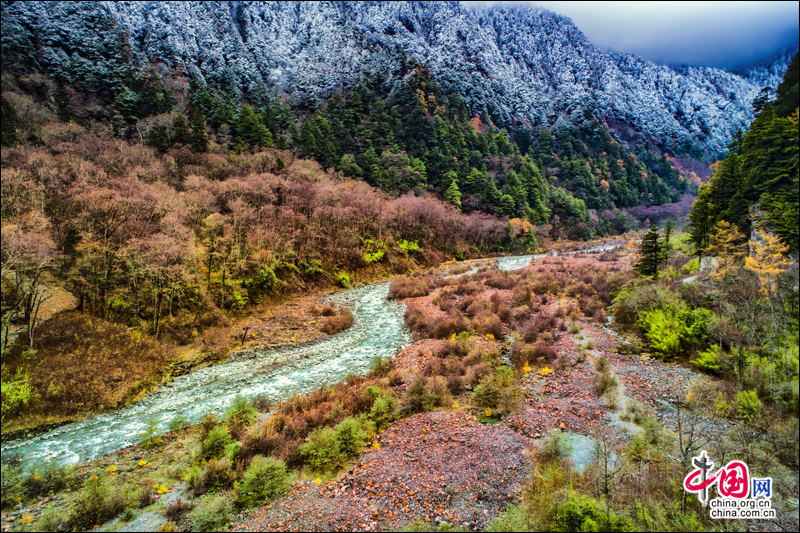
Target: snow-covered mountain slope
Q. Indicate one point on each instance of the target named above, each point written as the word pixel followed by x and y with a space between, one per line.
pixel 516 64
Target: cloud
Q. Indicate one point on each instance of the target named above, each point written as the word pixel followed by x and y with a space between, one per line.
pixel 716 34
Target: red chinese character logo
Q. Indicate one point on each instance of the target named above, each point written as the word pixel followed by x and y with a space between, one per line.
pixel 733 480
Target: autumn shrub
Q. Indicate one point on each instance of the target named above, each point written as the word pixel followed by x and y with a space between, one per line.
pixel 434 367
pixel 521 353
pixel 455 384
pixel 487 323
pixel 261 403
pixel 521 294
pixel 209 422
pixel 212 513
pixel 408 287
pixel 219 474
pixel 177 509
pixel 321 451
pixel 265 479
pixel 214 444
pixel 542 349
pixel 501 279
pixel 86 363
pixel 443 327
pixel 328 310
pixel 521 314
pixel 467 287
pixel 338 323
pixel 425 395
pixel 561 364
pixel 477 372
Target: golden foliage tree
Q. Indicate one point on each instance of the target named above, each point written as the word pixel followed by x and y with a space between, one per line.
pixel 767 259
pixel 727 246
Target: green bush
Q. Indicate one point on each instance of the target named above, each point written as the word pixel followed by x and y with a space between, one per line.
pixel 513 519
pixel 13 488
pixel 212 512
pixel 321 451
pixel 17 394
pixel 582 513
pixel 747 404
pixel 47 478
pixel 264 480
pixel 604 382
pixel 241 412
pixel 708 361
pixel 351 437
pixel 52 519
pixel 384 411
pixel 381 366
pixel 633 300
pixel 127 515
pixel 232 449
pixel 98 502
pixel 555 448
pixel 150 437
pixel 669 332
pixel 214 444
pixel 344 280
pixel 178 422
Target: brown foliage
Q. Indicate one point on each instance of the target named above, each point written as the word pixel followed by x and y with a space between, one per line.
pixel 408 287
pixel 86 364
pixel 338 323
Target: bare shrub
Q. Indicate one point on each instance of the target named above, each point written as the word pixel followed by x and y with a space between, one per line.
pixel 544 350
pixel 408 287
pixel 338 323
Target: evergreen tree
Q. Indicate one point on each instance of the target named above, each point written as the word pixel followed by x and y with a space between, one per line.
pixel 251 129
pixel 180 130
pixel 649 254
pixel 197 121
pixel 666 247
pixel 453 195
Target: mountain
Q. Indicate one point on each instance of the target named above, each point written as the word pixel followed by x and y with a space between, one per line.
pixel 514 65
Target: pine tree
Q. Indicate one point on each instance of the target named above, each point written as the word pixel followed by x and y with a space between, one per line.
pixel 453 195
pixel 649 254
pixel 197 121
pixel 666 247
pixel 180 130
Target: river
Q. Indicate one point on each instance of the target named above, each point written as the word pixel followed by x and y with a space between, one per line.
pixel 277 373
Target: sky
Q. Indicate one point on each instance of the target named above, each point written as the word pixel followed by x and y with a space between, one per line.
pixel 729 35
